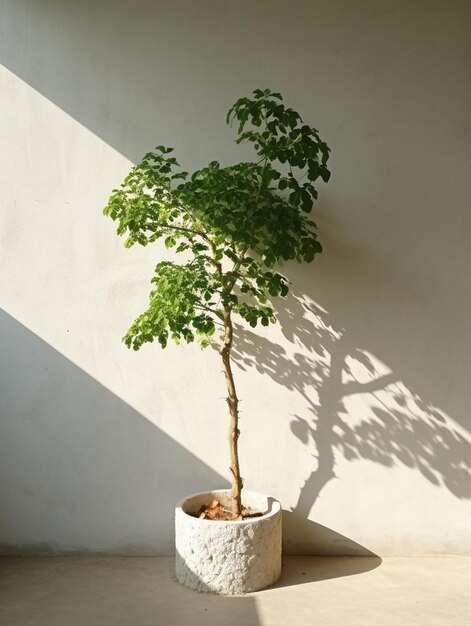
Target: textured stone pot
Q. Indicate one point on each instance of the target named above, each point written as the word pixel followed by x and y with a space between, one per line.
pixel 228 557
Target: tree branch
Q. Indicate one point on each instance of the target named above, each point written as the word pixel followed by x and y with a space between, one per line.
pixel 206 308
pixel 188 230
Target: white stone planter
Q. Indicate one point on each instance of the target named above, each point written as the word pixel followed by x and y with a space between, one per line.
pixel 228 557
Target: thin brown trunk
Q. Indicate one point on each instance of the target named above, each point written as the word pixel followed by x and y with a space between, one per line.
pixel 233 402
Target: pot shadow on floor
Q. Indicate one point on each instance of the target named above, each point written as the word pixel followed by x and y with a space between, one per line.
pixel 313 553
pixel 301 570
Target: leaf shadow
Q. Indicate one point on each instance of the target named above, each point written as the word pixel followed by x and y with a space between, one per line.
pixel 395 426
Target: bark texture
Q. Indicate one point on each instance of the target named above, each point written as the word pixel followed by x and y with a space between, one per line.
pixel 233 403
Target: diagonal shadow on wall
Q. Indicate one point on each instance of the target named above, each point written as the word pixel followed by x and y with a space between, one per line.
pixel 66 439
pixel 122 70
pixel 99 64
pixel 124 471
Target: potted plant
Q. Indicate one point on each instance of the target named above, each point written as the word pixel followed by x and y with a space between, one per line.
pixel 232 226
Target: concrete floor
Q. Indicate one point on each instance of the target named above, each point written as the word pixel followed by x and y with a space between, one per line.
pixel 349 591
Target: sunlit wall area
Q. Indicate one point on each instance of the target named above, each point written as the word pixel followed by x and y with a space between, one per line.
pixel 355 408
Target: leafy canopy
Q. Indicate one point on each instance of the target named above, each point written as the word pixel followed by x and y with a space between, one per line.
pixel 232 224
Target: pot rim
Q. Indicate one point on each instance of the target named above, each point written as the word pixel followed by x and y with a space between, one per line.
pixel 273 503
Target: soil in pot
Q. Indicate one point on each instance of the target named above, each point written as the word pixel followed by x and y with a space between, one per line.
pixel 215 511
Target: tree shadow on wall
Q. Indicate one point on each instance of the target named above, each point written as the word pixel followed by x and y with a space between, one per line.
pixel 392 425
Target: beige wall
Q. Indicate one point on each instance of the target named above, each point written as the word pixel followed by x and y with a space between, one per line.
pixel 356 408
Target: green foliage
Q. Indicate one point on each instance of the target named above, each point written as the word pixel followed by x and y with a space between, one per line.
pixel 234 223
pixel 176 306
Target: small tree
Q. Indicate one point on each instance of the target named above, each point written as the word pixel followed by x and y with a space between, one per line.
pixel 234 225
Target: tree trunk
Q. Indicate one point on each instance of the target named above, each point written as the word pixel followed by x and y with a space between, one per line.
pixel 233 402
